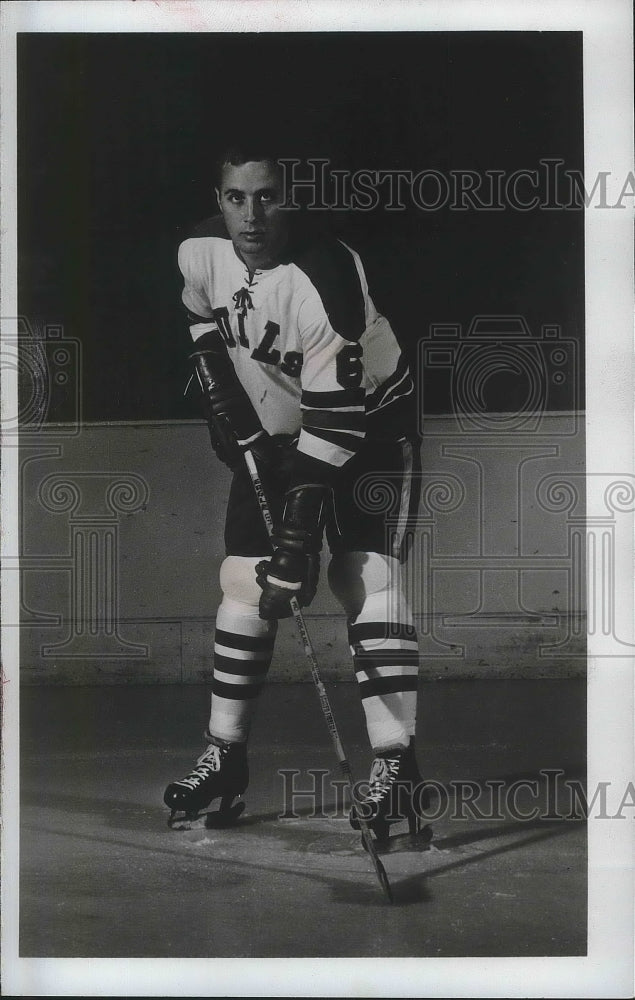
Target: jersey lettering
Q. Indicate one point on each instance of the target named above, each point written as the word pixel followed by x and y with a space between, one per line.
pixel 242 336
pixel 292 364
pixel 221 316
pixel 265 351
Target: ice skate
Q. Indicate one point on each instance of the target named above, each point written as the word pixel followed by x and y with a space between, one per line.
pixel 396 792
pixel 221 772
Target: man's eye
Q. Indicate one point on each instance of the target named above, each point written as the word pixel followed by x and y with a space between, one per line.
pixel 234 198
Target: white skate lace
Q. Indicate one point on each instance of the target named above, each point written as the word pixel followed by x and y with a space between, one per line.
pixel 383 773
pixel 208 763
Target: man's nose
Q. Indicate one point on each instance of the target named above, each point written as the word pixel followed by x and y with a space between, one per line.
pixel 251 210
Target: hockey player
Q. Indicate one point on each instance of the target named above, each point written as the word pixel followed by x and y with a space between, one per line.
pixel 296 364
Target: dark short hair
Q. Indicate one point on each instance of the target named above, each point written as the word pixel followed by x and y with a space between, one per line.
pixel 236 155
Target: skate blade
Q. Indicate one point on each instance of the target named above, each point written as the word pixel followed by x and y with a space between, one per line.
pixel 208 821
pixel 224 817
pixel 404 842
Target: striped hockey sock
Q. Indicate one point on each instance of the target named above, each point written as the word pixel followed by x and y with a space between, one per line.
pixel 243 650
pixel 386 662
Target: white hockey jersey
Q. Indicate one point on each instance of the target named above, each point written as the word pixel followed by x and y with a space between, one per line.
pixel 305 339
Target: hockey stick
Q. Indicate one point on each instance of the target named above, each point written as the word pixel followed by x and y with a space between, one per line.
pixel 321 690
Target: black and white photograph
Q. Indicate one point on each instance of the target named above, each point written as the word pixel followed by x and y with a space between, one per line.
pixel 318 493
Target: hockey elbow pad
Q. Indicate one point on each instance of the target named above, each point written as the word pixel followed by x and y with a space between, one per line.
pixel 294 568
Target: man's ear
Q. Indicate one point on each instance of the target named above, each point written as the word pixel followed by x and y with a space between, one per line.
pixel 218 197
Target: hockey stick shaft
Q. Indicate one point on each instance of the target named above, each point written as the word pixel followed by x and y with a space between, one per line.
pixel 321 690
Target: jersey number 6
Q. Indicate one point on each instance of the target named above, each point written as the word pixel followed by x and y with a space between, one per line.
pixel 348 366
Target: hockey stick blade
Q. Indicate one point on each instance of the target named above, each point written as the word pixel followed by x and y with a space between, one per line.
pixel 337 743
pixel 379 868
pixel 367 838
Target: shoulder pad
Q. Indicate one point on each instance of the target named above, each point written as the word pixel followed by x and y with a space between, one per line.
pixel 213 226
pixel 330 266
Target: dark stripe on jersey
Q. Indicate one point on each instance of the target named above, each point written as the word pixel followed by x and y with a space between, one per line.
pixel 214 226
pixel 398 419
pixel 330 267
pixel 245 668
pixel 372 659
pixel 193 318
pixel 403 389
pixel 252 643
pixel 387 685
pixel 340 438
pixel 337 421
pixel 380 630
pixel 381 392
pixel 331 400
pixel 238 692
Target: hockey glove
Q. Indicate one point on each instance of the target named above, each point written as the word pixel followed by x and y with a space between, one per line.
pixel 294 568
pixel 231 419
pixel 230 451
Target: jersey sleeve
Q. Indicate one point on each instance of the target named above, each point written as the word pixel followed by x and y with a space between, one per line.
pixel 195 298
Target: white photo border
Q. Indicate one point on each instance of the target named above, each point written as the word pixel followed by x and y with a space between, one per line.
pixel 608 111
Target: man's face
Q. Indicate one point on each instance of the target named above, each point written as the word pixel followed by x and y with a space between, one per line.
pixel 250 198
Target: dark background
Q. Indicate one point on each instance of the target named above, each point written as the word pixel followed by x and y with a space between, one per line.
pixel 116 137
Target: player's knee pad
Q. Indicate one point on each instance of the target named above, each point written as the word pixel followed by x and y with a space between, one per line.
pixel 365 580
pixel 238 579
